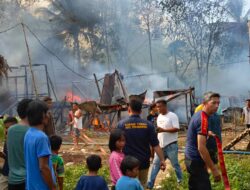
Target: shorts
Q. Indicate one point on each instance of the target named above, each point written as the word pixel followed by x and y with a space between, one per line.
pixel 20 186
pixel 77 132
pixel 3 182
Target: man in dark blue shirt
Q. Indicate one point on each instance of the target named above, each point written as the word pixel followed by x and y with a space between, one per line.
pixel 140 134
pixel 197 157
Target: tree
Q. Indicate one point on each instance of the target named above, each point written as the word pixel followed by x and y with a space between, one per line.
pixel 4 68
pixel 78 24
pixel 149 14
pixel 198 24
pixel 236 32
pixel 179 52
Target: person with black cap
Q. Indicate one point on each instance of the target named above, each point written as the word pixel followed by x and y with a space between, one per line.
pixel 139 135
pixel 246 113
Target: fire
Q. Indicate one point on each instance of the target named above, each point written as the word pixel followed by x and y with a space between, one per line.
pixel 70 97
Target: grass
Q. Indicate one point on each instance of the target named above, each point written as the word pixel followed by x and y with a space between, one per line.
pixel 74 172
pixel 238 169
pixel 1 130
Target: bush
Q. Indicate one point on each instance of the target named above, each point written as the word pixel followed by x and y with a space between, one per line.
pixel 74 172
pixel 238 168
pixel 1 130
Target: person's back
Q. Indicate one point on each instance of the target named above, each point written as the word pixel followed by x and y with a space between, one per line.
pixel 37 150
pixel 36 145
pixel 8 122
pixel 17 171
pixel 92 181
pixel 139 134
pixel 15 144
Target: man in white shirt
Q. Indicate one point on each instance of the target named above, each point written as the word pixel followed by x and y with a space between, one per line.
pixel 246 113
pixel 167 128
pixel 77 125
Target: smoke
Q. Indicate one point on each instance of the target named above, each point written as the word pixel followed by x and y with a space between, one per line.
pixel 131 58
pixel 231 79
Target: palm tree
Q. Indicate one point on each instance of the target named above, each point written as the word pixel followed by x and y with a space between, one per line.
pixel 235 10
pixel 236 30
pixel 77 23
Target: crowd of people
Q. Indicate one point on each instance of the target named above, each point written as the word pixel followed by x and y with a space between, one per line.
pixel 32 160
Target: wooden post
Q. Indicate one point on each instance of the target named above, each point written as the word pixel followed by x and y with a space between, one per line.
pixel 119 115
pixel 112 120
pixel 98 88
pixel 237 139
pixel 30 64
pixel 123 89
pixel 186 102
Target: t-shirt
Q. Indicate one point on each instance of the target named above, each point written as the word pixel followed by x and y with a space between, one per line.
pixel 246 112
pixel 91 183
pixel 36 145
pixel 169 120
pixel 139 135
pixel 197 126
pixel 5 170
pixel 128 183
pixel 15 144
pixel 153 118
pixel 78 121
pixel 214 125
pixel 115 161
pixel 57 161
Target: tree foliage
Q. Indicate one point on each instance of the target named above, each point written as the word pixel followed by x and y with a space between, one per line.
pixel 198 24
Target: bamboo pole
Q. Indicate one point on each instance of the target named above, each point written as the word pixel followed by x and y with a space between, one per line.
pixel 30 64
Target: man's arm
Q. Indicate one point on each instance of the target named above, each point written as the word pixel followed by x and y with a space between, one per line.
pixel 169 130
pixel 159 152
pixel 201 139
pixel 46 173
